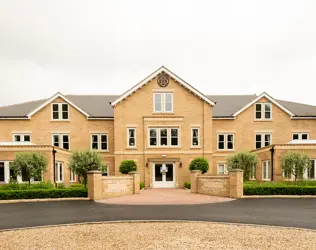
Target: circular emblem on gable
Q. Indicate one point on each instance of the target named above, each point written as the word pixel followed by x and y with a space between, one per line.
pixel 163 80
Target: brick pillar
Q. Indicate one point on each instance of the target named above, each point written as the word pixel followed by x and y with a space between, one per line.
pixel 136 178
pixel 94 185
pixel 236 183
pixel 193 178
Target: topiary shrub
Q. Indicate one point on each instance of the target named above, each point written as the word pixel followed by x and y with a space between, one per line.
pixel 141 185
pixel 128 166
pixel 187 185
pixel 199 163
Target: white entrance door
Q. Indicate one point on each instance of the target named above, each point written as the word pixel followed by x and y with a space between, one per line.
pixel 163 175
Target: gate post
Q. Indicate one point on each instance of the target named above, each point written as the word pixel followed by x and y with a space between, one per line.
pixel 94 184
pixel 136 181
pixel 236 183
pixel 194 180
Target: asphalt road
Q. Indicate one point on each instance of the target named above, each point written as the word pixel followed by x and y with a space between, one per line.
pixel 279 212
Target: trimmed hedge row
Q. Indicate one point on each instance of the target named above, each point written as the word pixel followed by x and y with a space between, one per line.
pixel 285 190
pixel 43 193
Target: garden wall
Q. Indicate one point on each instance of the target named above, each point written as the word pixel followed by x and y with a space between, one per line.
pixel 226 186
pixel 101 187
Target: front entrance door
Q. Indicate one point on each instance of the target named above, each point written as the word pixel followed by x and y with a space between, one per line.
pixel 163 175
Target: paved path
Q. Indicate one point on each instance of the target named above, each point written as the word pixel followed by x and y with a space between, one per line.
pixel 280 212
pixel 161 196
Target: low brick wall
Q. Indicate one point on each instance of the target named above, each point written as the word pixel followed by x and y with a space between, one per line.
pixel 101 187
pixel 226 186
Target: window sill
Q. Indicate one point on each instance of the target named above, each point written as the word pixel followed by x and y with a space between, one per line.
pixel 131 148
pixel 60 120
pixel 266 179
pixel 263 120
pixel 195 147
pixel 160 147
pixel 163 113
pixel 225 150
pixel 59 182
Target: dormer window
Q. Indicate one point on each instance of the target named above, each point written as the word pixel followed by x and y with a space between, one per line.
pixel 163 102
pixel 60 111
pixel 263 111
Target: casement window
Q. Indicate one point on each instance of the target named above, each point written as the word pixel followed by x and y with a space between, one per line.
pixel 61 140
pixel 131 137
pixel 163 137
pixel 263 111
pixel 263 139
pixel 225 142
pixel 22 137
pixel 222 169
pixel 60 111
pixel 163 102
pixel 195 137
pixel 99 142
pixel 300 136
pixel 59 172
pixel 266 170
pixel 253 173
pixel 311 174
pixel 2 172
pixel 72 176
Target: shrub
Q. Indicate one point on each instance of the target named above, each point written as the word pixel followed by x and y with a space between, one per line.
pixel 61 185
pixel 199 163
pixel 128 166
pixel 43 193
pixel 24 186
pixel 187 185
pixel 142 185
pixel 279 190
pixel 76 185
pixel 246 161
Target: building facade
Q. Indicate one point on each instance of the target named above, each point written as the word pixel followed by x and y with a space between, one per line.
pixel 162 123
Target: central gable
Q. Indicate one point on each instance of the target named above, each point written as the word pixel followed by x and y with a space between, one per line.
pixel 162 77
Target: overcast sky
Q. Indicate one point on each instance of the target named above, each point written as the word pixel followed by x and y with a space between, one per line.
pixel 106 47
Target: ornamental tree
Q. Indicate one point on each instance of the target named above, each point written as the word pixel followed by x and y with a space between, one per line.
pixel 128 166
pixel 295 163
pixel 83 161
pixel 199 163
pixel 246 161
pixel 31 164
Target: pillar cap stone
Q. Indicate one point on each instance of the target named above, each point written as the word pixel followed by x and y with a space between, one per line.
pixel 236 170
pixel 94 172
pixel 133 172
pixel 196 171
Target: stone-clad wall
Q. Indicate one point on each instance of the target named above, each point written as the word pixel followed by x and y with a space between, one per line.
pixel 101 187
pixel 226 186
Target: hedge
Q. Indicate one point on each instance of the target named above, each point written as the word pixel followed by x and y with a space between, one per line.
pixel 285 190
pixel 43 193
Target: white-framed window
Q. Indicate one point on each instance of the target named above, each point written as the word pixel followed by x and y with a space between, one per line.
pixel 195 137
pixel 163 102
pixel 266 170
pixel 253 173
pixel 222 169
pixel 163 137
pixel 225 141
pixel 59 171
pixel 22 137
pixel 263 140
pixel 99 142
pixel 131 137
pixel 300 136
pixel 60 111
pixel 61 140
pixel 263 111
pixel 73 177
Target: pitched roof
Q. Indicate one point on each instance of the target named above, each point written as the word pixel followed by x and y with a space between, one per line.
pixel 98 106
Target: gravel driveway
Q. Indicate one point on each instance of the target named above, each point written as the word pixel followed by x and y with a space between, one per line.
pixel 159 235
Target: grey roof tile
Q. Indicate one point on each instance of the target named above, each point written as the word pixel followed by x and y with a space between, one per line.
pixel 99 105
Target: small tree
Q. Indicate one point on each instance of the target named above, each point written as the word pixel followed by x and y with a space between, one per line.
pixel 83 161
pixel 295 163
pixel 32 164
pixel 246 161
pixel 199 163
pixel 128 166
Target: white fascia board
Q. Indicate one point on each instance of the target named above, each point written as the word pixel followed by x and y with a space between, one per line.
pixel 52 99
pixel 147 79
pixel 270 99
